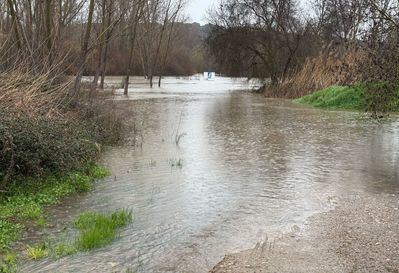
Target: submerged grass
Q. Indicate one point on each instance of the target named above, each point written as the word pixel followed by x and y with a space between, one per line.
pixel 63 249
pixel 25 203
pixel 337 97
pixel 97 230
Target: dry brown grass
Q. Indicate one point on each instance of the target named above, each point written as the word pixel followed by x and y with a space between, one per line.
pixel 21 90
pixel 335 65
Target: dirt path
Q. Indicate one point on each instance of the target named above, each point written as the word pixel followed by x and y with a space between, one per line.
pixel 360 235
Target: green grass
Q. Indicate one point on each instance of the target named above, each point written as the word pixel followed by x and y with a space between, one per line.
pixel 37 252
pixel 24 203
pixel 8 263
pixel 9 232
pixel 337 97
pixel 97 230
pixel 63 249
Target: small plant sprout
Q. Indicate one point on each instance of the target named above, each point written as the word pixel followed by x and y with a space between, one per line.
pixel 178 135
pixel 176 163
pixel 152 163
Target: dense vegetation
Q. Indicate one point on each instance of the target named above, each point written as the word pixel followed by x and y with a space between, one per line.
pixel 337 97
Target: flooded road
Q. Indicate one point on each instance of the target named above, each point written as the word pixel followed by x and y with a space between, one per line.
pixel 215 170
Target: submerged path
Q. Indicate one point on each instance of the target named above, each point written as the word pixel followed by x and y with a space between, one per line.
pixel 360 235
pixel 244 168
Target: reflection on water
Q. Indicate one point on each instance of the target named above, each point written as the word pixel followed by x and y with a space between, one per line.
pixel 251 168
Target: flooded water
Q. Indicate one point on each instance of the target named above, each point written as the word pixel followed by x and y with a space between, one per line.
pixel 215 170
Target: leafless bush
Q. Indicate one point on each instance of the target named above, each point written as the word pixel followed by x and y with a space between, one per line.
pixel 335 65
pixel 22 89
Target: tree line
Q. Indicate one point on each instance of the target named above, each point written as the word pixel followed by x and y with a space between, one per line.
pixel 274 39
pixel 100 37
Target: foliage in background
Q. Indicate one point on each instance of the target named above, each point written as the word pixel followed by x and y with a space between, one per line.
pixel 380 72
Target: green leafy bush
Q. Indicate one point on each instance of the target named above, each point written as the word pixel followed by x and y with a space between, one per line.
pixel 31 146
pixel 381 98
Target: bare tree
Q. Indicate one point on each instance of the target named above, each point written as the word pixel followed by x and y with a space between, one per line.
pixel 135 15
pixel 83 52
pixel 257 38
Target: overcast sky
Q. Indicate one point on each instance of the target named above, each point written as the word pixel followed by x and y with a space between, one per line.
pixel 197 10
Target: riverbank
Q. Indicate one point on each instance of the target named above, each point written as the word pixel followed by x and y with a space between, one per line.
pixel 24 206
pixel 48 151
pixel 356 97
pixel 360 235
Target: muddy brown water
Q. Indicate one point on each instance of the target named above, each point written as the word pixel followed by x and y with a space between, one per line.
pixel 245 168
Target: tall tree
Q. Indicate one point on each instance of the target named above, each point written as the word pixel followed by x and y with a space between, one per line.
pixel 83 53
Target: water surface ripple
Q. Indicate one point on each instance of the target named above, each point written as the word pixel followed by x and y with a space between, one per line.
pixel 250 168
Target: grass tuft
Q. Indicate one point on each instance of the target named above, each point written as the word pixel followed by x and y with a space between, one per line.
pixel 63 249
pixel 97 230
pixel 176 163
pixel 37 252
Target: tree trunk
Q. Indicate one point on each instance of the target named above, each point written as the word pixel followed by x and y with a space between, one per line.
pixel 159 80
pixel 131 49
pixel 104 63
pixel 49 40
pixel 15 23
pixel 83 54
pixel 101 46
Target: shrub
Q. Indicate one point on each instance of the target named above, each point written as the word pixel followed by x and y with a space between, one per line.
pixel 381 98
pixel 32 146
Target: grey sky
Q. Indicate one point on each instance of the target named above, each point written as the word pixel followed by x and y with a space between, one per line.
pixel 197 9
